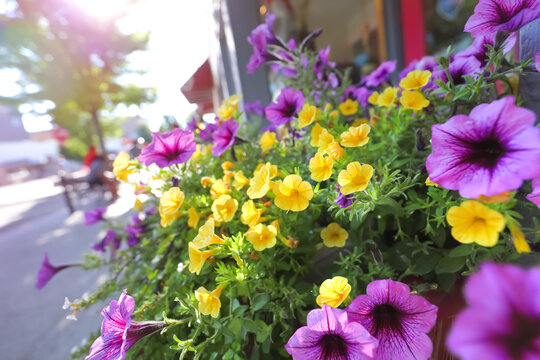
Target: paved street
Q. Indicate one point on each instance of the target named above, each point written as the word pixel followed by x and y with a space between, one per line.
pixel 35 219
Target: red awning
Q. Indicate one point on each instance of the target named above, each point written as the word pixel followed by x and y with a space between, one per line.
pixel 198 89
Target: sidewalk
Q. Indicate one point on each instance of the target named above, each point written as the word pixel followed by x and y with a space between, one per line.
pixel 33 219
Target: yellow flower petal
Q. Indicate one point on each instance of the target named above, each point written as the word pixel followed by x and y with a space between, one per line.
pixel 334 235
pixel 355 177
pixel 333 291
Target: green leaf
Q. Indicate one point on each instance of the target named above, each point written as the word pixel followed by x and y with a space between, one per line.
pixel 425 263
pixel 450 265
pixel 461 250
pixel 259 301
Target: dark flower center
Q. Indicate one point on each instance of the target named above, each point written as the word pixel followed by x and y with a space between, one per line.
pixel 386 317
pixel 525 332
pixel 485 153
pixel 172 154
pixel 290 109
pixel 334 347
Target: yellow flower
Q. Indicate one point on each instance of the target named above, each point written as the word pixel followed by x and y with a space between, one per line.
pixel 250 214
pixel 167 220
pixel 348 107
pixel 334 114
pixel 224 208
pixel 325 139
pixel 320 167
pixel 267 140
pixel 315 134
pixel 227 177
pixel 413 100
pixel 333 291
pixel 193 217
pixel 205 181
pixel 307 115
pixel 259 185
pixel 206 235
pixel 219 188
pixel 498 198
pixel 170 201
pixel 473 222
pixel 240 180
pixel 373 99
pixel 198 153
pixel 293 193
pixel 262 236
pixel 334 235
pixel 355 136
pixel 334 150
pixel 228 107
pixel 360 121
pixel 430 183
pixel 388 97
pixel 197 258
pixel 519 240
pixel 273 170
pixel 226 166
pixel 120 166
pixel 355 178
pixel 209 303
pixel 415 79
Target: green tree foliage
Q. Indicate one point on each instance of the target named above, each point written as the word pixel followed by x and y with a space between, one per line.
pixel 74 59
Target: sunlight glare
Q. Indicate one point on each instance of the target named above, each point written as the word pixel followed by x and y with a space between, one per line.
pixel 103 8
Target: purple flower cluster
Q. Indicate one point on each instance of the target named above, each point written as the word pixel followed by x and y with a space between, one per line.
pixel 502 320
pixel 380 74
pixel 119 332
pixel 489 151
pixel 360 94
pixel 387 323
pixel 133 230
pixel 166 149
pixel 110 237
pixel 260 37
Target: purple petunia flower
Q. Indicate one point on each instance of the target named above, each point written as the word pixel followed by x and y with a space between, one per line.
pixel 118 332
pixel 255 108
pixel 94 216
pixel 208 131
pixel 287 104
pixel 502 320
pixel 360 94
pixel 109 237
pixel 491 16
pixel 224 137
pixel 425 63
pixel 534 197
pixel 166 149
pixel 380 74
pixel 330 336
pixel 490 151
pixel 321 61
pixel 479 51
pixel 458 68
pixel 398 319
pixel 192 124
pixel 47 271
pixel 344 201
pixel 261 36
pixel 133 230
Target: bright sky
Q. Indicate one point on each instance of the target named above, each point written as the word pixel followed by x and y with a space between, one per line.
pixel 178 46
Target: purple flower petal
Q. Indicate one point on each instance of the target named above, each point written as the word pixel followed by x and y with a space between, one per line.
pixel 330 336
pixel 488 152
pixel 380 74
pixel 224 137
pixel 287 104
pixel 92 217
pixel 396 318
pixel 502 320
pixel 491 16
pixel 47 271
pixel 535 195
pixel 166 149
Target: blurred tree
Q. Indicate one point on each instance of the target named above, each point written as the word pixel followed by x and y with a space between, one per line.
pixel 74 59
